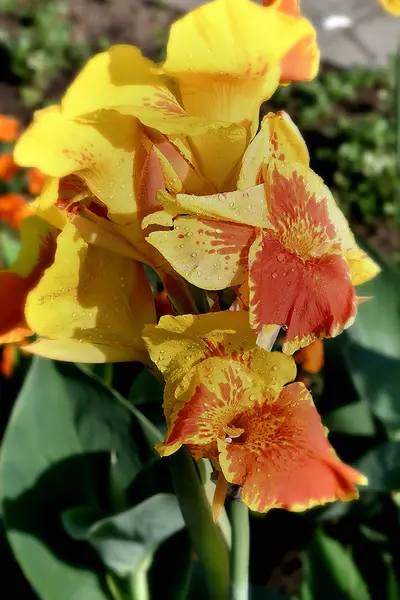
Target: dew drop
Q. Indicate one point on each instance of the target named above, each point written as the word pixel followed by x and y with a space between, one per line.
pixel 218 231
pixel 90 314
pixel 258 470
pixel 275 368
pixel 221 197
pixel 74 315
pixel 189 234
pixel 193 255
pixel 274 275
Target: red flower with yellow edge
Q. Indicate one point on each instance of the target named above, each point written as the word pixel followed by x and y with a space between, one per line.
pixel 84 303
pixel 127 128
pixel 280 237
pixel 9 128
pixel 228 400
pixel 8 168
pixel 14 209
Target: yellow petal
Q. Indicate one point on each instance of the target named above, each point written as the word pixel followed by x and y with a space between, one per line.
pixel 209 254
pixel 247 207
pixel 80 351
pixel 93 296
pixel 178 342
pixel 278 139
pixel 362 267
pixel 44 205
pixel 101 153
pixel 232 62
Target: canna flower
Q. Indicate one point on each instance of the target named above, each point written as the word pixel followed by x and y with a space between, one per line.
pixel 8 168
pixel 391 6
pixel 14 209
pixel 127 128
pixel 279 238
pixel 84 303
pixel 230 401
pixel 9 128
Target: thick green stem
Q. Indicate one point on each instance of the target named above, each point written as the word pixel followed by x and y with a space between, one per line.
pixel 206 537
pixel 139 584
pixel 240 551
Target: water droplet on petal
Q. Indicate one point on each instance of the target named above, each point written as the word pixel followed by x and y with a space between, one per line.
pixel 193 255
pixel 274 275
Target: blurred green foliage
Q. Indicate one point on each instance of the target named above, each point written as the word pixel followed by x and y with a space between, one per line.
pixel 39 45
pixel 347 118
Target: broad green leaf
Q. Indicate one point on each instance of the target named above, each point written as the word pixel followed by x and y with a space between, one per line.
pixel 145 389
pixel 352 419
pixel 382 466
pixel 332 573
pixel 125 540
pixel 56 455
pixel 373 350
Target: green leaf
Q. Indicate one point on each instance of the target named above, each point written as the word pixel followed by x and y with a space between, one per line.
pixel 124 540
pixel 382 467
pixel 145 388
pixel 351 419
pixel 331 573
pixel 373 352
pixel 56 455
pixel 9 247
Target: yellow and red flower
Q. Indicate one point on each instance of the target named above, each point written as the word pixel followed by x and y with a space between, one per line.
pixel 280 237
pixel 227 400
pixel 127 128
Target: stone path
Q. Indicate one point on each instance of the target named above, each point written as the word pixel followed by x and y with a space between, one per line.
pixel 351 32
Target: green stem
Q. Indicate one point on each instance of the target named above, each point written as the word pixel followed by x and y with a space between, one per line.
pixel 240 551
pixel 139 584
pixel 206 537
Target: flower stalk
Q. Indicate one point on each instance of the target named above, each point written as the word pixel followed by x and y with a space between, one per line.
pixel 240 553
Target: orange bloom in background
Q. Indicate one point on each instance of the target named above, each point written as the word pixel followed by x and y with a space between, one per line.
pixel 7 360
pixel 35 180
pixel 311 358
pixel 280 238
pixel 9 128
pixel 8 168
pixel 228 400
pixel 14 209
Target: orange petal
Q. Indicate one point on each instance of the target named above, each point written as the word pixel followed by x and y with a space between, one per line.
pixel 312 299
pixel 8 168
pixel 302 255
pixel 13 209
pixel 9 129
pixel 283 459
pixel 219 496
pixel 311 358
pixel 35 179
pixel 7 360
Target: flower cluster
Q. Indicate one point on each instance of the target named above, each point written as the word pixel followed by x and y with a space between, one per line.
pixel 166 166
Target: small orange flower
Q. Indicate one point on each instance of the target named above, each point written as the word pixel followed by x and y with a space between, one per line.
pixel 9 128
pixel 35 179
pixel 8 168
pixel 311 358
pixel 13 209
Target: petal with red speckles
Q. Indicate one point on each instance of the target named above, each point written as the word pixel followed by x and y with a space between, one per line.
pixel 312 299
pixel 283 458
pixel 209 254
